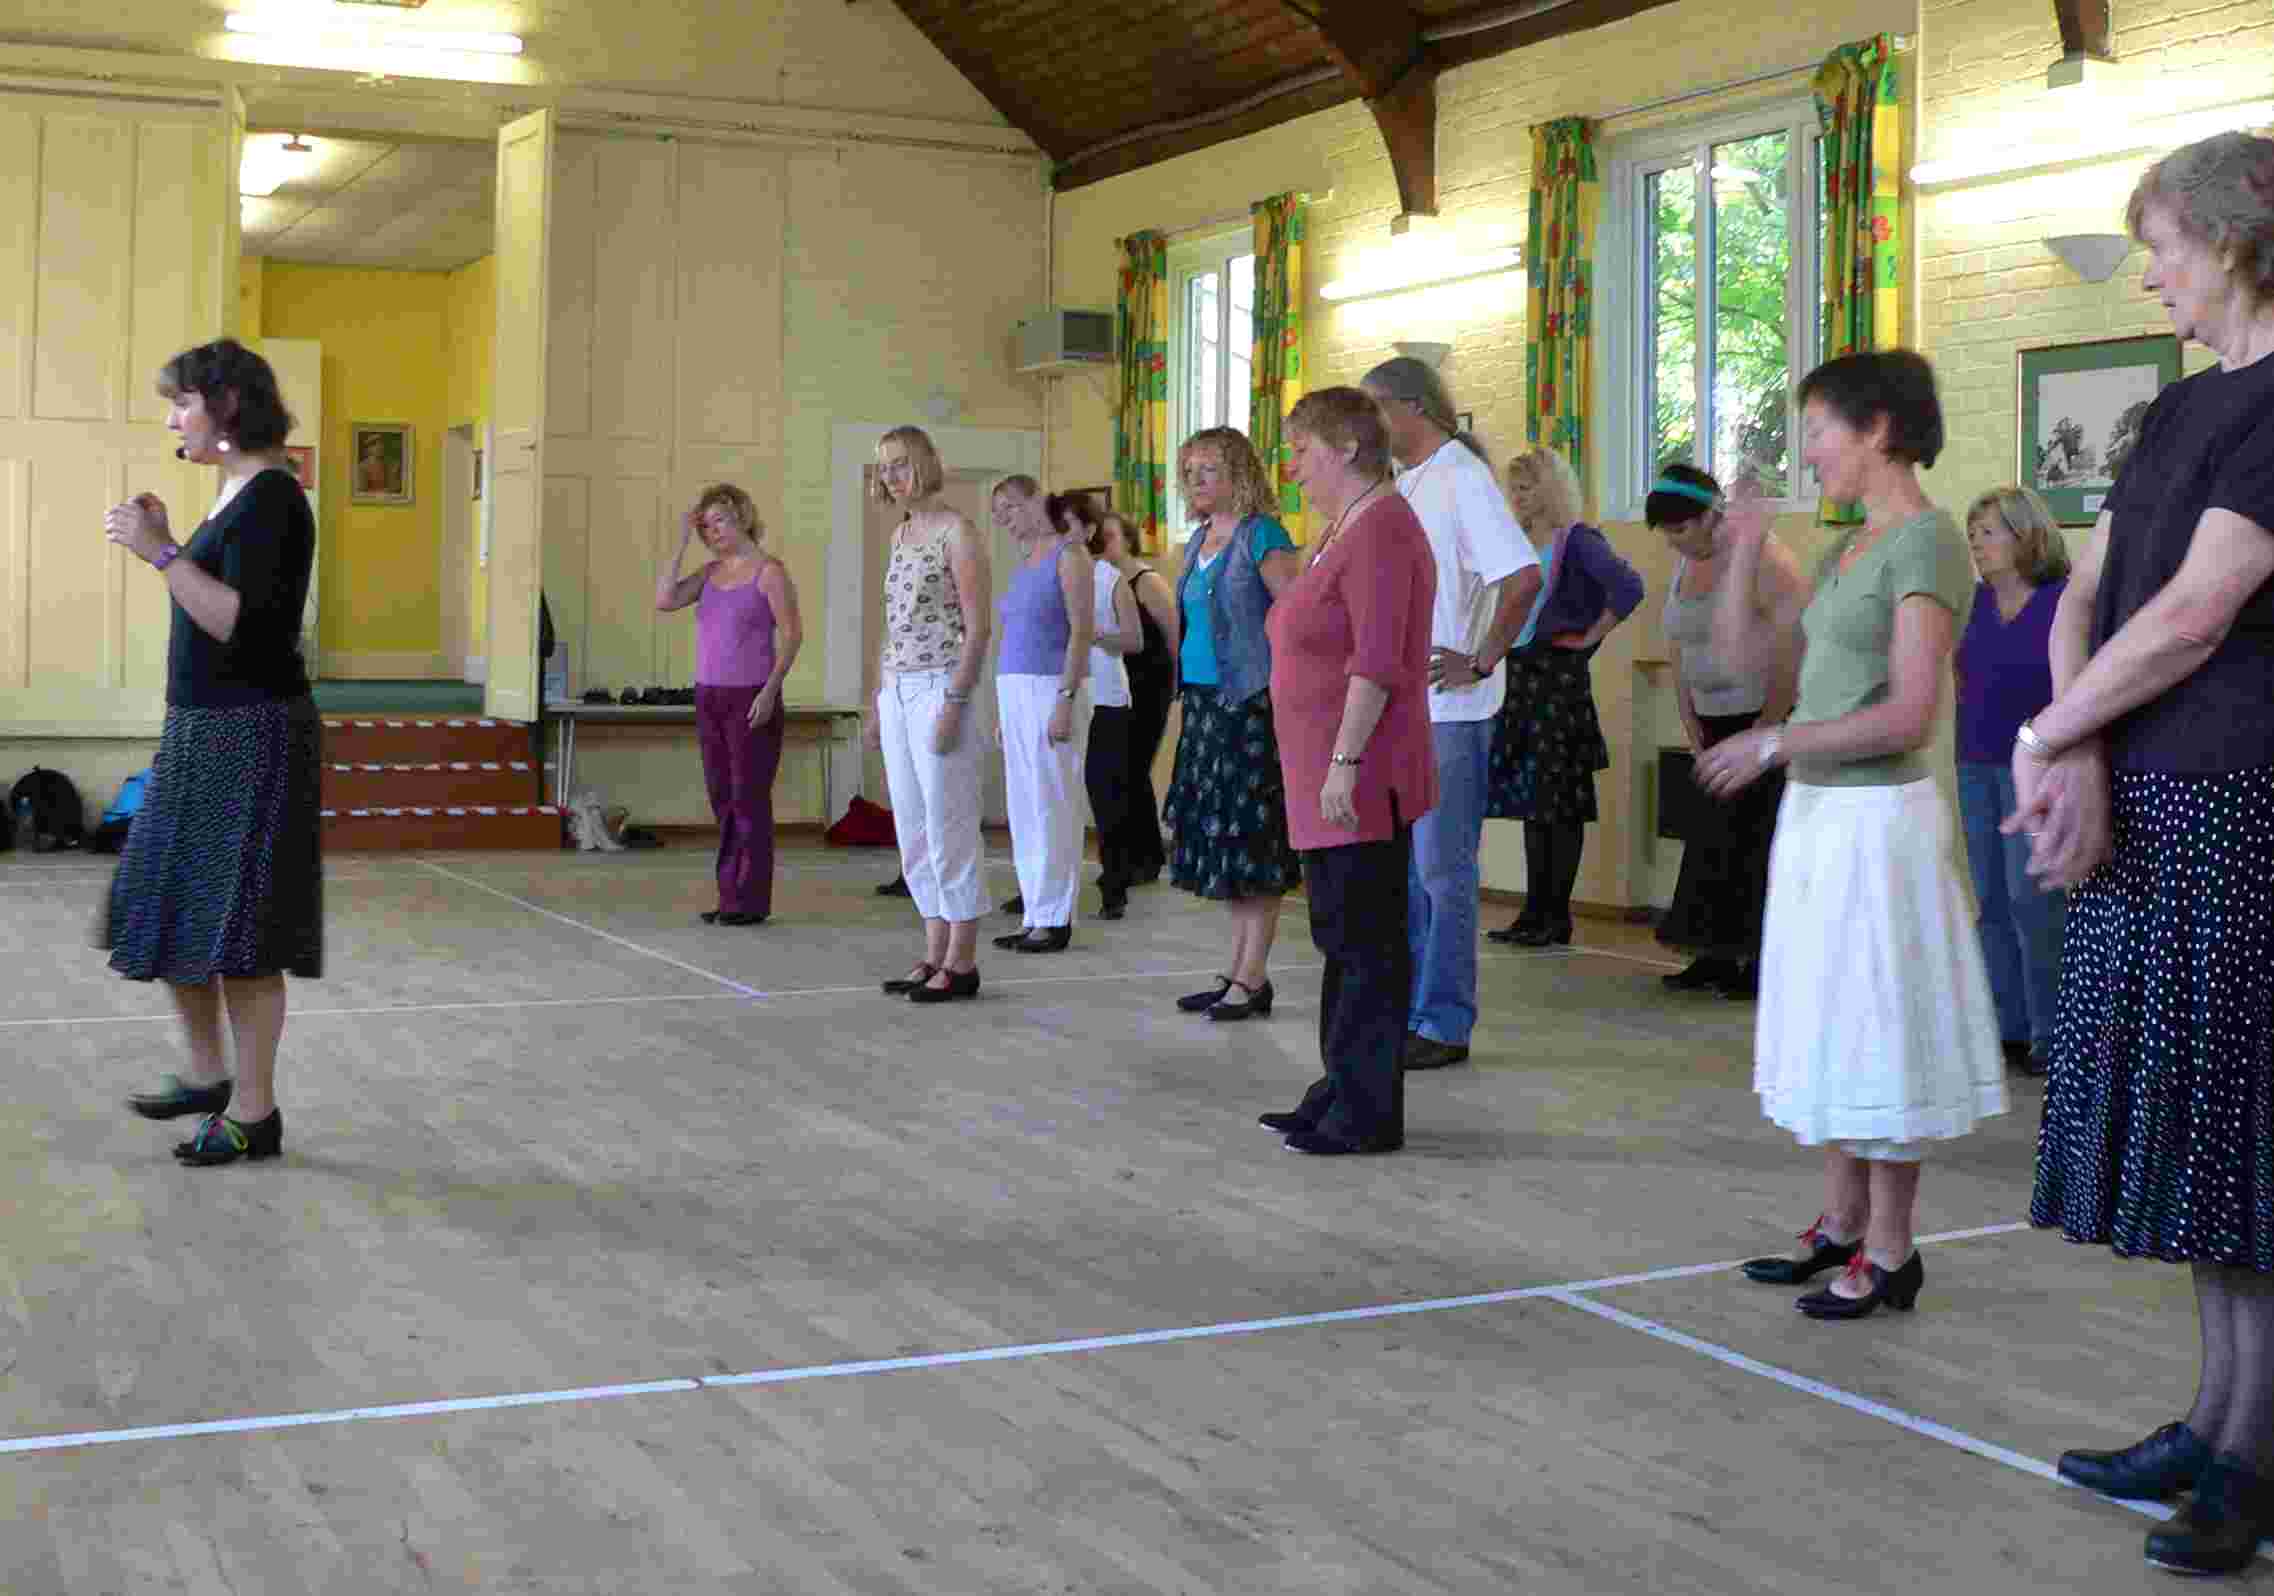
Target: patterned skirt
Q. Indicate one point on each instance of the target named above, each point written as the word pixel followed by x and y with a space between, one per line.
pixel 1227 801
pixel 1547 744
pixel 222 873
pixel 1725 862
pixel 2158 1137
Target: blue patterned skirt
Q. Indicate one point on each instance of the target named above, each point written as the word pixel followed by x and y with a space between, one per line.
pixel 222 873
pixel 1228 801
pixel 2158 1137
pixel 1547 744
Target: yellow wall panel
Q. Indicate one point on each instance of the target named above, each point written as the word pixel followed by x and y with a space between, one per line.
pixel 19 228
pixel 15 574
pixel 163 313
pixel 72 634
pixel 732 210
pixel 620 615
pixel 86 235
pixel 570 302
pixel 634 242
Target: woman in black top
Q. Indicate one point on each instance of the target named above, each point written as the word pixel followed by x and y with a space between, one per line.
pixel 220 890
pixel 1152 688
pixel 2148 785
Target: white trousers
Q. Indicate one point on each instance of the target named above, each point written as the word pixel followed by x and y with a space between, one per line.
pixel 935 797
pixel 1042 786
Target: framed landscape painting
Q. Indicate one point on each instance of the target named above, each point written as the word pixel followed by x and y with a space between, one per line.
pixel 2081 409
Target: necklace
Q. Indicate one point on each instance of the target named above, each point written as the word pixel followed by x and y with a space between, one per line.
pixel 1335 530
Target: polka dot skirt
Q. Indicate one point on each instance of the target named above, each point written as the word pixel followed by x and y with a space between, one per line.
pixel 2158 1136
pixel 222 873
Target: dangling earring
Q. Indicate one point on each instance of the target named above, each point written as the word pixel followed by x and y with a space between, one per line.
pixel 224 445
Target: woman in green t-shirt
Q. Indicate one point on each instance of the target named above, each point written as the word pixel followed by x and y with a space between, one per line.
pixel 1877 1036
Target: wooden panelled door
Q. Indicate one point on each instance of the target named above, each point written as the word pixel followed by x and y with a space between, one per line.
pixel 517 464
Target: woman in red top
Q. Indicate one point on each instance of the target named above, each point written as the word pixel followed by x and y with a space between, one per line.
pixel 1350 695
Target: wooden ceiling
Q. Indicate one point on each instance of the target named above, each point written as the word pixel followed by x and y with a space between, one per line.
pixel 1106 86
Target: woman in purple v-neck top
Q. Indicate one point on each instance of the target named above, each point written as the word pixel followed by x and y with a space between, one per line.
pixel 2005 675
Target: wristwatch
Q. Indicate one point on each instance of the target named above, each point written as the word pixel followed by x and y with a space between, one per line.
pixel 1343 759
pixel 2033 745
pixel 166 556
pixel 1067 693
pixel 1771 746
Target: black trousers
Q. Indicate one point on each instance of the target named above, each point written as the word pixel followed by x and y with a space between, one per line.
pixel 1551 869
pixel 1105 772
pixel 1150 698
pixel 1358 922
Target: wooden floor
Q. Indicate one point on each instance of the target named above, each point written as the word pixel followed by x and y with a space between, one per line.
pixel 548 1137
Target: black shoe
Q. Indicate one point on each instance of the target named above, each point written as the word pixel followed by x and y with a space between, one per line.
pixel 1515 930
pixel 1015 903
pixel 1743 985
pixel 1194 1002
pixel 1899 1289
pixel 709 917
pixel 897 887
pixel 1010 939
pixel 1256 1002
pixel 902 985
pixel 1044 939
pixel 737 917
pixel 1427 1053
pixel 1824 1254
pixel 2022 1059
pixel 221 1140
pixel 1320 1144
pixel 1115 907
pixel 174 1097
pixel 1702 973
pixel 960 984
pixel 1287 1124
pixel 2218 1532
pixel 2163 1465
pixel 1541 933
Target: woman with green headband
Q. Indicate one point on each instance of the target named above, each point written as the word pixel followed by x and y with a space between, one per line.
pixel 1716 913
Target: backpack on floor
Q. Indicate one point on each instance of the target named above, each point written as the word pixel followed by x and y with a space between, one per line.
pixel 48 814
pixel 110 836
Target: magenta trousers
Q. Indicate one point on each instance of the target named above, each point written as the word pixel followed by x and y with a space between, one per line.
pixel 739 765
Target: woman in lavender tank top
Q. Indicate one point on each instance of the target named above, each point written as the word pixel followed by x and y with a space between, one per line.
pixel 747 636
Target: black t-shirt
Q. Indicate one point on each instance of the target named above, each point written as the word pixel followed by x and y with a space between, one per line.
pixel 2207 444
pixel 263 544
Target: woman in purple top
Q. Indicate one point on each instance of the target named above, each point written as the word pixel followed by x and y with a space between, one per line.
pixel 2004 667
pixel 747 635
pixel 1548 744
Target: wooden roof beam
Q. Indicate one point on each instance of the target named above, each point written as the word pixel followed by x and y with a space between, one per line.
pixel 1379 47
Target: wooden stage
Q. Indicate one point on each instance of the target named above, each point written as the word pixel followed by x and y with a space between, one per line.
pixel 615 1253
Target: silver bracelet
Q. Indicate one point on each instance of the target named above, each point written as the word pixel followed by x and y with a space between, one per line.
pixel 2033 745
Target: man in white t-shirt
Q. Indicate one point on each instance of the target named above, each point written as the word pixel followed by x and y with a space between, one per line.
pixel 1488 577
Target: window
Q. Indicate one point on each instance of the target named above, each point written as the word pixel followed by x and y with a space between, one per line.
pixel 1212 341
pixel 1715 248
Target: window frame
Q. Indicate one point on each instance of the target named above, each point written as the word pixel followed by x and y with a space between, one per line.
pixel 1625 234
pixel 1188 259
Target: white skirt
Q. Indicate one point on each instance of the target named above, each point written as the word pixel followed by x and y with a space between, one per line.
pixel 1876 1028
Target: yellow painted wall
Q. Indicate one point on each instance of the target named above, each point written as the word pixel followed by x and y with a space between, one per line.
pixel 251 278
pixel 470 335
pixel 384 335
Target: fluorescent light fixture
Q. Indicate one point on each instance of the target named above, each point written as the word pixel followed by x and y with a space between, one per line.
pixel 1429 271
pixel 328 30
pixel 268 163
pixel 2162 132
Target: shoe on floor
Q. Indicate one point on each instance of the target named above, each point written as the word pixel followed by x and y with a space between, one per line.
pixel 897 887
pixel 1015 903
pixel 1427 1053
pixel 173 1097
pixel 1321 1145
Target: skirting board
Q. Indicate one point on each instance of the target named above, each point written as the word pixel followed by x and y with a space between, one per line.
pixel 411 666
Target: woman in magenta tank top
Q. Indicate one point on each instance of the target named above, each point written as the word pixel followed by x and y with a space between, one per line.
pixel 747 635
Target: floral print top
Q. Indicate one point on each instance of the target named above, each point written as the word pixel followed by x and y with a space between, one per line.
pixel 923 617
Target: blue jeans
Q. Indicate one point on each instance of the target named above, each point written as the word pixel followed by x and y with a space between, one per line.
pixel 2020 924
pixel 1441 885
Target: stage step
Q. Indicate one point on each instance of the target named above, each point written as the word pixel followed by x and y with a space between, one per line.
pixel 431 782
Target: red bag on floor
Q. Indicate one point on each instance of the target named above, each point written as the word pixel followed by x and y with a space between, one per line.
pixel 864 825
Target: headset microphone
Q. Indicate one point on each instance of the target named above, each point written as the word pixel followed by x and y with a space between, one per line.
pixel 181 453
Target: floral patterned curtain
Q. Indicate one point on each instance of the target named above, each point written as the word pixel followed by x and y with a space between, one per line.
pixel 1140 415
pixel 1559 260
pixel 1860 107
pixel 1277 370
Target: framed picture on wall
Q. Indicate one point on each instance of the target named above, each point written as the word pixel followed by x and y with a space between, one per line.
pixel 2081 409
pixel 303 461
pixel 477 473
pixel 381 469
